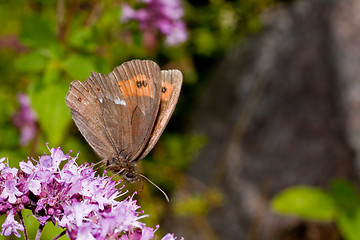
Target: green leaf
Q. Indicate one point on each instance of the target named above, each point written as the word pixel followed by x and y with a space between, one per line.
pixel 192 205
pixel 31 62
pixel 79 67
pixel 308 203
pixel 101 65
pixel 182 149
pixel 205 41
pixel 51 73
pixel 345 195
pixel 36 32
pixel 83 39
pixel 349 225
pixel 54 117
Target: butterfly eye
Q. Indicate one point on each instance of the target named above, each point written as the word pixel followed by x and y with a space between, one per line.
pixel 130 175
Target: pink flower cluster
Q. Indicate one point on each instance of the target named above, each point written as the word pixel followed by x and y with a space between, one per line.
pixel 73 196
pixel 163 15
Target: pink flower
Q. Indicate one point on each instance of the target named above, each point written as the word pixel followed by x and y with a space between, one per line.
pixel 162 15
pixel 170 236
pixel 10 191
pixel 2 165
pixel 25 119
pixel 11 226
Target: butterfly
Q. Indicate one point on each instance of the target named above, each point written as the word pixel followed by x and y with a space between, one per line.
pixel 123 114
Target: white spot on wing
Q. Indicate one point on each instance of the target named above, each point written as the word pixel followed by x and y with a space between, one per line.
pixel 100 100
pixel 119 101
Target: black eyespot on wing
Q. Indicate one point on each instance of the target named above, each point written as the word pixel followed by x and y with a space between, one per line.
pixel 138 84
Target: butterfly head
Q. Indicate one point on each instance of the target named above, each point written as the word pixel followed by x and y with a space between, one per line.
pixel 130 175
pixel 124 168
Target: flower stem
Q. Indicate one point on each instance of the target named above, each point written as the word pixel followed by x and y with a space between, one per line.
pixel 60 235
pixel 38 234
pixel 23 223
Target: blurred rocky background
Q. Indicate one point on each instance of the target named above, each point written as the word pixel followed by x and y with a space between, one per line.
pixel 281 109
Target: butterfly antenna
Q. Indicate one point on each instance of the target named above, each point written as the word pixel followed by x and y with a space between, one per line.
pixel 142 186
pixel 162 191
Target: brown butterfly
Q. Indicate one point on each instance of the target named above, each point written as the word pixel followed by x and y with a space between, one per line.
pixel 123 114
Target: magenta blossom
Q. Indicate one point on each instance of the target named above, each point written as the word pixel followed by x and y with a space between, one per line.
pixel 162 15
pixel 11 226
pixel 25 119
pixel 86 205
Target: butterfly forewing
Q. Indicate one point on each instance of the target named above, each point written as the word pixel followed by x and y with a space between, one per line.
pixel 170 91
pixel 86 112
pixel 140 84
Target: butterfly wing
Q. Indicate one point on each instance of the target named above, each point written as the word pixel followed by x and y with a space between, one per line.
pixel 86 112
pixel 123 110
pixel 139 82
pixel 171 86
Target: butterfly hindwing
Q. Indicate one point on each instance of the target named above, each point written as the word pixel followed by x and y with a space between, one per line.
pixel 170 91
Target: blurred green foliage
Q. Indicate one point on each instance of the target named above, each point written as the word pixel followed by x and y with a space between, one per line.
pixel 339 204
pixel 306 202
pixel 44 45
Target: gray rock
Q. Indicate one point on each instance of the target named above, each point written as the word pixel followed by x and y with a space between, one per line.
pixel 282 109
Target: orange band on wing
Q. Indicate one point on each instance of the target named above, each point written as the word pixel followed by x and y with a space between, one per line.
pixel 166 90
pixel 137 85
